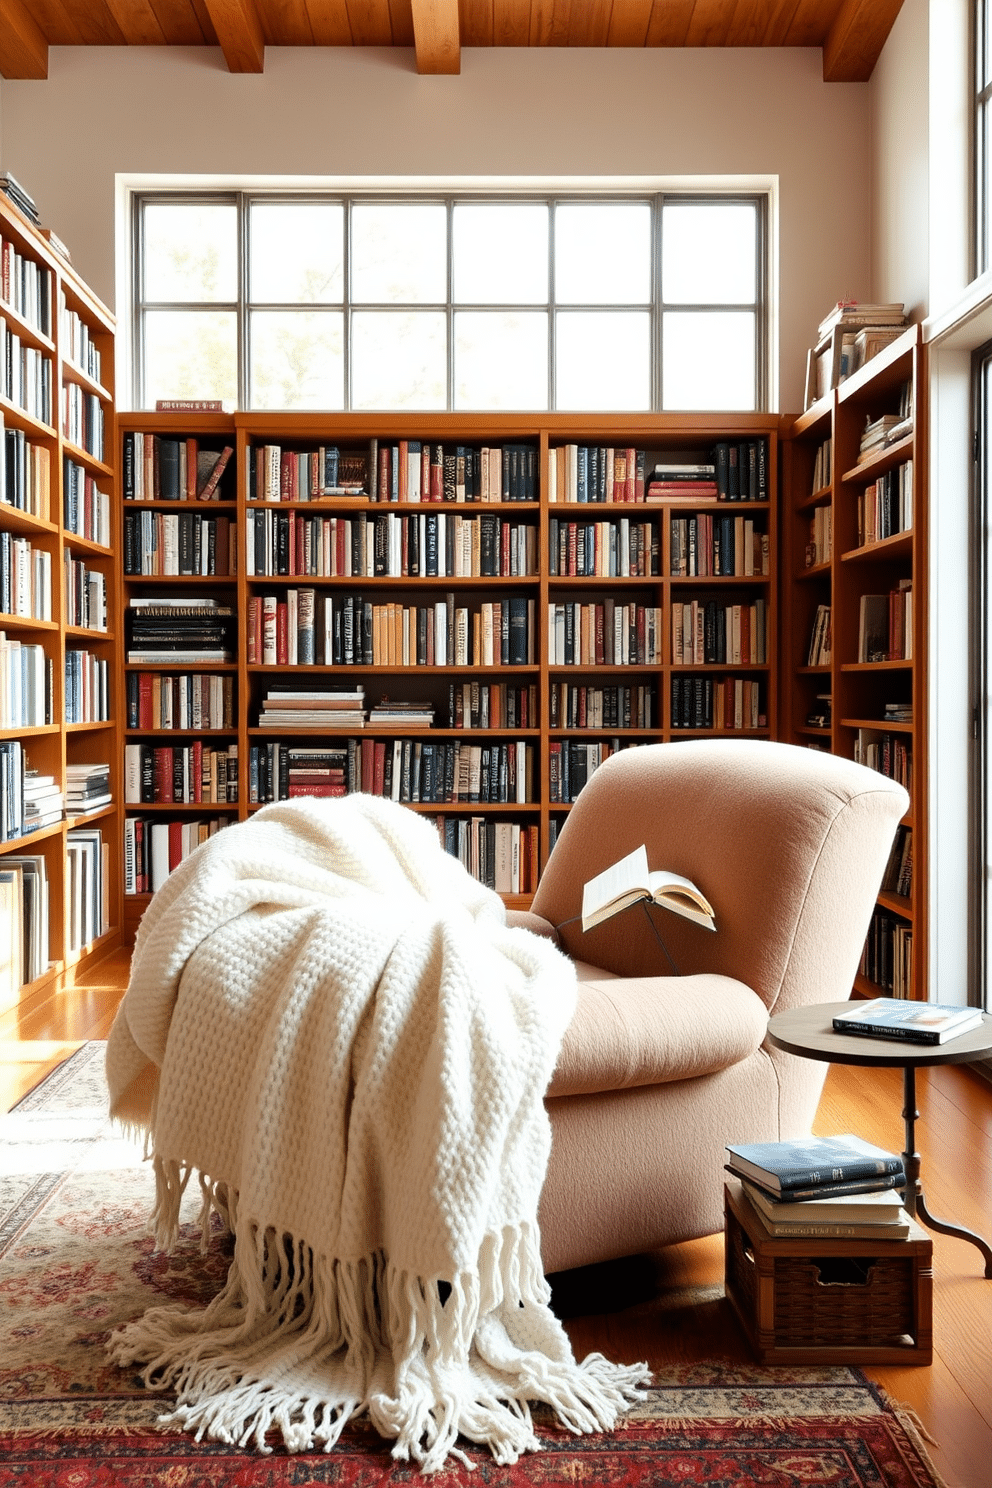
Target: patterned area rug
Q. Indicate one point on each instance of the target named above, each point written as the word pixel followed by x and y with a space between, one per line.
pixel 75 1260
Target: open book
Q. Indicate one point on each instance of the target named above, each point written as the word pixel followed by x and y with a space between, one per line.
pixel 630 880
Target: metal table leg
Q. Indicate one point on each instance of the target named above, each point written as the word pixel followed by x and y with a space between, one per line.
pixel 914 1201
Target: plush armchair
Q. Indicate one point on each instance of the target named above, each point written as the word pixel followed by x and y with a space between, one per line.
pixel 658 1071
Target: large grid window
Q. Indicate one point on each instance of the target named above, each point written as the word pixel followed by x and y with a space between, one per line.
pixel 433 303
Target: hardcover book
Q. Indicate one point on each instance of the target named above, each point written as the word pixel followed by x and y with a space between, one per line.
pixel 916 1022
pixel 814 1163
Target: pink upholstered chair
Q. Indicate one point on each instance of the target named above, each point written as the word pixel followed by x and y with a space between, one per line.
pixel 659 1071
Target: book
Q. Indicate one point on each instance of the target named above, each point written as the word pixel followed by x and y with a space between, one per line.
pixel 814 1164
pixel 812 1229
pixel 630 880
pixel 209 486
pixel 917 1022
pixel 879 1207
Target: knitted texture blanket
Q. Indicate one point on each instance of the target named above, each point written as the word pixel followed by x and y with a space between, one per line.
pixel 329 1021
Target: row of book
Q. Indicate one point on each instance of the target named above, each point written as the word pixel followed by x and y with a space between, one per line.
pixel 887 956
pixel 886 506
pixel 25 578
pixel 885 624
pixel 839 1187
pixel 24 908
pixel 571 763
pixel 160 543
pixel 398 471
pixel 430 544
pixel 406 770
pixel 708 631
pixel 25 375
pixel 85 508
pixel 303 629
pixel 152 848
pixel 26 684
pixel 197 701
pixel 76 341
pixel 889 753
pixel 492 705
pixel 618 706
pixel 83 419
pixel 181 773
pixel 898 876
pixel 721 546
pixel 87 687
pixel 617 549
pixel 26 286
pixel 87 887
pixel 820 649
pixel 735 703
pixel 820 547
pixel 29 800
pixel 25 473
pixel 160 467
pixel 503 855
pixel 606 634
pixel 85 594
pixel 823 467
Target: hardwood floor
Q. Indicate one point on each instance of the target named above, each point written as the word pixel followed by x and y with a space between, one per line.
pixel 668 1307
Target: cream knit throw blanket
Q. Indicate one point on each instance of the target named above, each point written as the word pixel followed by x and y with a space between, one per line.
pixel 330 1022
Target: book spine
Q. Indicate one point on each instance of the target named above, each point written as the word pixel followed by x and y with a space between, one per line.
pixel 910 1035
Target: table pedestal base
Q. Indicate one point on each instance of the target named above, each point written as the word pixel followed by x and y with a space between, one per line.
pixel 914 1202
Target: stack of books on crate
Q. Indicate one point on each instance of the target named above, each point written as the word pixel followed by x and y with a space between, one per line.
pixel 823 1188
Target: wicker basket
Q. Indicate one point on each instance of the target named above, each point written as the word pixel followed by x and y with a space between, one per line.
pixel 819 1301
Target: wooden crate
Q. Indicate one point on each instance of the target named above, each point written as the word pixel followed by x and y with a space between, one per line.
pixel 828 1301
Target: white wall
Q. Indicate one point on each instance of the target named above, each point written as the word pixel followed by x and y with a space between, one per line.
pixel 900 163
pixel 541 111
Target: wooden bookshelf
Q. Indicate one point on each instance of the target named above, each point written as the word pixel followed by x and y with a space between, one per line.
pixel 61 416
pixel 870 554
pixel 543 734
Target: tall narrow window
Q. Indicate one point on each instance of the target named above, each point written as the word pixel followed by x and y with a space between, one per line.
pixel 983 134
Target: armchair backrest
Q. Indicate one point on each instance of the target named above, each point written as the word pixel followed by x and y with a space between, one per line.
pixel 788 844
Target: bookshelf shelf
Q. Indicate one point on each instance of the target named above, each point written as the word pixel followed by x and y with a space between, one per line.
pixel 868 500
pixel 641 687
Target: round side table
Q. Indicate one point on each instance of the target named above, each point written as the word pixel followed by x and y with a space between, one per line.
pixel 809 1032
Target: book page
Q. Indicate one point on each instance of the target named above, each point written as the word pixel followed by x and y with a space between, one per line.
pixel 629 875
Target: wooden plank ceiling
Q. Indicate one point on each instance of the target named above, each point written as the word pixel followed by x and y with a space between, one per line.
pixel 851 33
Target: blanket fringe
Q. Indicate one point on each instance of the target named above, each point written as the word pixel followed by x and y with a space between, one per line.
pixel 296 1344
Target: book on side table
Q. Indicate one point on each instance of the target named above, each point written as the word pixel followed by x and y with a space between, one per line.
pixel 630 880
pixel 916 1022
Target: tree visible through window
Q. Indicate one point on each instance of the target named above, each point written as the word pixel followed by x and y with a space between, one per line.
pixel 432 303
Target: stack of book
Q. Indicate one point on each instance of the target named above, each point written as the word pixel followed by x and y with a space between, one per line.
pixel 87 788
pixel 823 1187
pixel 179 629
pixel 675 479
pixel 326 709
pixel 405 715
pixel 42 801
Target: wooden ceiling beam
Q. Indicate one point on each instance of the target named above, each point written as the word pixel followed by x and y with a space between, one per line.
pixel 23 49
pixel 855 40
pixel 239 33
pixel 436 36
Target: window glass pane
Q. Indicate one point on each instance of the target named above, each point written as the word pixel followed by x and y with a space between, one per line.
pixel 708 254
pixel 399 253
pixel 191 354
pixel 985 61
pixel 297 359
pixel 501 359
pixel 602 360
pixel 708 360
pixel 603 254
pixel 984 183
pixel 500 254
pixel 191 251
pixel 398 359
pixel 296 252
